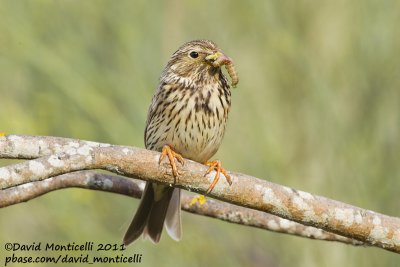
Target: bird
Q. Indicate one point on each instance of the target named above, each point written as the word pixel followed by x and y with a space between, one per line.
pixel 186 119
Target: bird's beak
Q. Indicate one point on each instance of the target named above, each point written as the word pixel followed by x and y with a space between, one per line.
pixel 218 59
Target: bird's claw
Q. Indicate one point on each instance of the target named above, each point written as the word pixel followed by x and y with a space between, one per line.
pixel 172 155
pixel 216 165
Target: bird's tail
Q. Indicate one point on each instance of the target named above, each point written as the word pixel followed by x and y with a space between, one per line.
pixel 159 203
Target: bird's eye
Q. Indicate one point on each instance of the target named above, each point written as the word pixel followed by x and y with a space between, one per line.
pixel 194 54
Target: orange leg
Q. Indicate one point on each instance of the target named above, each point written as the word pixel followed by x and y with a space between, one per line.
pixel 172 155
pixel 216 165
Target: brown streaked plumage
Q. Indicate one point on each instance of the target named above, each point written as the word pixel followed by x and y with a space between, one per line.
pixel 187 118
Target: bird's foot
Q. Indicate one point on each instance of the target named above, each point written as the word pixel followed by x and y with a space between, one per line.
pixel 172 155
pixel 216 165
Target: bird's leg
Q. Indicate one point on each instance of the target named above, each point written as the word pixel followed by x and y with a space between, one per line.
pixel 216 165
pixel 172 155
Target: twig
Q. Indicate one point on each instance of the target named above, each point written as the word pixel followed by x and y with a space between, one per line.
pixel 133 188
pixel 367 226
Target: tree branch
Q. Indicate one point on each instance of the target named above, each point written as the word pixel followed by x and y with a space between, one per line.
pixel 57 156
pixel 129 187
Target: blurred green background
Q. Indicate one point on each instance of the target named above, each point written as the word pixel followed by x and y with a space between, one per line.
pixel 317 108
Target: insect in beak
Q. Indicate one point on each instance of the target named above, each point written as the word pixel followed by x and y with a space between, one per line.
pixel 218 59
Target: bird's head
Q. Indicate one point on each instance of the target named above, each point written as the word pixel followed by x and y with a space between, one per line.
pixel 198 60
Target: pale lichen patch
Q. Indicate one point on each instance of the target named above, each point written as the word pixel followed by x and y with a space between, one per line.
pixel 267 194
pixel 45 183
pixel 273 225
pixel 345 216
pixel 73 144
pixel 26 186
pixel 358 217
pixel 287 189
pixel 24 147
pixel 14 138
pixel 23 188
pixel 84 150
pixel 68 149
pixel 379 233
pixel 92 144
pixel 107 184
pixel 211 176
pixel 36 167
pixel 15 175
pixel 4 174
pixel 285 224
pixel 99 144
pixel 305 195
pixel 376 220
pixel 269 198
pixel 43 148
pixel 88 159
pixel 55 161
pixel 313 232
pixel 222 182
pixel 301 205
pixel 56 148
